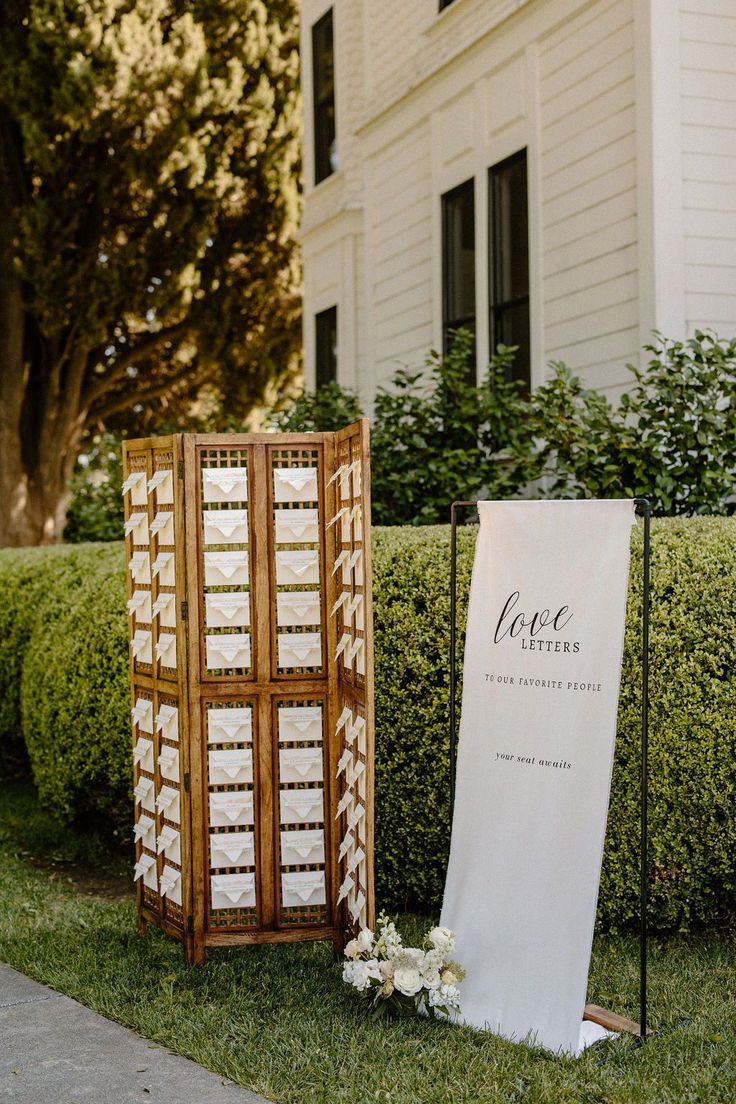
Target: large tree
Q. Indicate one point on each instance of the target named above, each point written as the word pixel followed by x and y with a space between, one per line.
pixel 148 166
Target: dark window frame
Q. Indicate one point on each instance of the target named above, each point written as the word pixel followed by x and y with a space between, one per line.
pixel 324 113
pixel 325 350
pixel 499 250
pixel 450 320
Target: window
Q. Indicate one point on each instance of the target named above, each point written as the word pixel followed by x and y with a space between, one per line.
pixel 508 227
pixel 325 325
pixel 458 261
pixel 323 72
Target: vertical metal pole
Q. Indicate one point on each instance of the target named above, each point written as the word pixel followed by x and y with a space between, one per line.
pixel 646 508
pixel 453 631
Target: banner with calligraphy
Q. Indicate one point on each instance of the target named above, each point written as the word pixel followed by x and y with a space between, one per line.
pixel 542 667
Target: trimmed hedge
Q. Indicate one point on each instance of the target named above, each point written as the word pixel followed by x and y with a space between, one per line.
pixel 63 684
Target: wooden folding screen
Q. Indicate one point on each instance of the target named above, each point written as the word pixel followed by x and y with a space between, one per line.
pixel 249 568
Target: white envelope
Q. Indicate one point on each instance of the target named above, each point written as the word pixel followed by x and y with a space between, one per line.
pixel 347 885
pixel 226 568
pixel 294 567
pixel 300 722
pixel 230 726
pixel 345 716
pixel 356 728
pixel 163 526
pixel 355 564
pixel 360 661
pixel 232 849
pixel 356 907
pixel 226 608
pixel 297 526
pixel 143 793
pixel 230 808
pixel 168 762
pixel 224 484
pixel 300 649
pixel 302 887
pixel 298 607
pixel 136 485
pixel 230 767
pixel 170 884
pixel 139 566
pixel 162 482
pixel 347 842
pixel 163 567
pixel 344 762
pixel 295 485
pixel 301 806
pixel 167 803
pixel 300 764
pixel 146 868
pixel 145 831
pixel 166 649
pixel 142 714
pixel 356 814
pixel 169 842
pixel 229 650
pixel 355 860
pixel 137 527
pixel 165 609
pixel 167 721
pixel 303 846
pixel 225 526
pixel 141 646
pixel 233 891
pixel 143 754
pixel 139 606
pixel 354 607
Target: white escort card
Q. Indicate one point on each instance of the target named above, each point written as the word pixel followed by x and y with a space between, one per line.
pixel 299 764
pixel 167 722
pixel 166 649
pixel 163 526
pixel 298 607
pixel 141 645
pixel 225 608
pixel 305 845
pixel 169 842
pixel 541 680
pixel 226 568
pixel 230 650
pixel 164 569
pixel 302 887
pixel 143 754
pixel 225 526
pixel 145 868
pixel 137 527
pixel 230 808
pixel 295 485
pixel 230 891
pixel 299 722
pixel 145 831
pixel 297 526
pixel 170 884
pixel 301 806
pixel 294 567
pixel 165 609
pixel 143 793
pixel 167 803
pixel 135 485
pixel 224 484
pixel 142 714
pixel 162 483
pixel 231 766
pixel 139 566
pixel 139 606
pixel 232 849
pixel 300 649
pixel 168 762
pixel 229 725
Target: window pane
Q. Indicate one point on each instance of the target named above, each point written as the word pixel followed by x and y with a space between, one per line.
pixel 458 269
pixel 513 329
pixel 323 71
pixel 509 260
pixel 326 346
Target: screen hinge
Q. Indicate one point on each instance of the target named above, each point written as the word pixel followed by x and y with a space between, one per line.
pixel 190 924
pixel 187 782
pixel 185 611
pixel 180 469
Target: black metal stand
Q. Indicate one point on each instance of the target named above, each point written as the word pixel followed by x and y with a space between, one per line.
pixel 644 509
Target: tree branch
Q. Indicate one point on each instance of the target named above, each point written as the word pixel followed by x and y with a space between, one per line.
pixel 146 345
pixel 125 401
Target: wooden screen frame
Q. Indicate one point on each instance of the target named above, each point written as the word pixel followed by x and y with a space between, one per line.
pixel 264 686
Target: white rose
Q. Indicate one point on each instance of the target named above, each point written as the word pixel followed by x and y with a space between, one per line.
pixel 353 949
pixel 443 940
pixel 358 974
pixel 364 939
pixel 408 980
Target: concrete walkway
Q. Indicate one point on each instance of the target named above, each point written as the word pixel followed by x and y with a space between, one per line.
pixel 55 1051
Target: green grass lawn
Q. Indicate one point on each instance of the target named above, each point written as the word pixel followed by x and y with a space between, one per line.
pixel 280 1021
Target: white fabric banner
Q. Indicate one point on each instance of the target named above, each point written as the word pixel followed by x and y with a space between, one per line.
pixel 542 666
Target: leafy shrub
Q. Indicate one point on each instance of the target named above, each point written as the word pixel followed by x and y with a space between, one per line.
pixel 328 408
pixel 74 709
pixel 95 510
pixel 437 437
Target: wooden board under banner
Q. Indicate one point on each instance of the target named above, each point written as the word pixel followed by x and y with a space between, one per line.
pixel 249 585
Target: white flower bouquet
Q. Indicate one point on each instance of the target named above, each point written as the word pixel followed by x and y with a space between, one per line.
pixel 396 980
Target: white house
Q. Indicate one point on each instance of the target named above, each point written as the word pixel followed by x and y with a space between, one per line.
pixel 557 173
